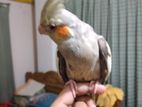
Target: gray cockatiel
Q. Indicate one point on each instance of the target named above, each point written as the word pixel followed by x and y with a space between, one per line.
pixel 83 54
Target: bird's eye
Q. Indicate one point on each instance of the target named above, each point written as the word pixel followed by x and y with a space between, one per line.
pixel 52 27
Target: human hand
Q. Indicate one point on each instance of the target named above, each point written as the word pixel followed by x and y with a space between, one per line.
pixel 85 88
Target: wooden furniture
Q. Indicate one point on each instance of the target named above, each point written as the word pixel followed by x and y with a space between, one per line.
pixel 51 79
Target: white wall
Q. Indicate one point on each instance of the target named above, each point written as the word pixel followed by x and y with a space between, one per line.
pixel 46 47
pixel 21 34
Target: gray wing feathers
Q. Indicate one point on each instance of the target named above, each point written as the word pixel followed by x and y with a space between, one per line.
pixel 104 58
pixel 62 67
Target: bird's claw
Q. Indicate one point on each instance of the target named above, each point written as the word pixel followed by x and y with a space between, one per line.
pixel 73 86
pixel 96 88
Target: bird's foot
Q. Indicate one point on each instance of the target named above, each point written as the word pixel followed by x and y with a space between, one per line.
pixel 73 86
pixel 96 88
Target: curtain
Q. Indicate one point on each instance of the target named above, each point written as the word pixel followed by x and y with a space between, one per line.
pixel 6 70
pixel 120 22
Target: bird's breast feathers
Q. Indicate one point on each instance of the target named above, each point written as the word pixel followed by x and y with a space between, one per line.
pixel 81 55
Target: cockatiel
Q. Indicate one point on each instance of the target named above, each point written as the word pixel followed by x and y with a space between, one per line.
pixel 83 55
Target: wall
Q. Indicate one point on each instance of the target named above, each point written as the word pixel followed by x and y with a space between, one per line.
pixel 46 47
pixel 21 39
pixel 21 31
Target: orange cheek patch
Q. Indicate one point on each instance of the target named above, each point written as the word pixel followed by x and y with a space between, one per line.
pixel 62 31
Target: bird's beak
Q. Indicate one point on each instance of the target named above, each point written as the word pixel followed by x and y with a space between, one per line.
pixel 60 31
pixel 42 29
